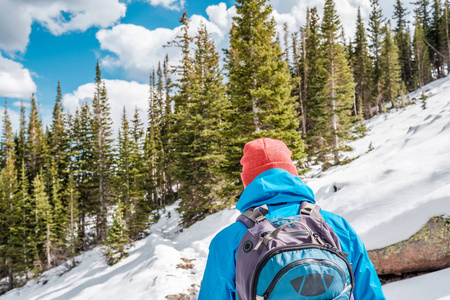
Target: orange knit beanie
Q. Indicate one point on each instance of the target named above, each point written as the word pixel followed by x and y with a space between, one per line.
pixel 263 154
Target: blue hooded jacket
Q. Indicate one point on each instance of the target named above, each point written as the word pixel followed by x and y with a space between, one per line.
pixel 283 193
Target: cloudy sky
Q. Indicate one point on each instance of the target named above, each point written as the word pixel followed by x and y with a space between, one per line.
pixel 44 41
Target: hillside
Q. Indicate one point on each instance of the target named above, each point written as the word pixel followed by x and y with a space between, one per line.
pixel 400 177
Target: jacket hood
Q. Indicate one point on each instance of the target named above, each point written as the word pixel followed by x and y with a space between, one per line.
pixel 274 186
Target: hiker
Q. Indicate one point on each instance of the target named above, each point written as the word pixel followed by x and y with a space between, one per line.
pixel 270 178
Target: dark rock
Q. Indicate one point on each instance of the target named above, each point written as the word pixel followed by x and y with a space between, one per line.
pixel 178 297
pixel 427 250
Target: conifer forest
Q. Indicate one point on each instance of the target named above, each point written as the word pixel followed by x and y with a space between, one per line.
pixel 79 182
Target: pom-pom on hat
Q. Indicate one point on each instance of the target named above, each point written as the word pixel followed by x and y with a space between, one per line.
pixel 264 154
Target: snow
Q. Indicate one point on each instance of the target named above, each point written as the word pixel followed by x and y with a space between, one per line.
pixel 387 194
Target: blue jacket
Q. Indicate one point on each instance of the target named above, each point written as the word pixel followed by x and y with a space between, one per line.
pixel 277 186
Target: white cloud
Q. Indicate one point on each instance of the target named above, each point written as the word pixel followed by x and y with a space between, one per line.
pixel 137 50
pixel 120 93
pixel 170 4
pixel 15 80
pixel 17 16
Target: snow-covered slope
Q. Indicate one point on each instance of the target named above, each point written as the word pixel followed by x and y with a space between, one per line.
pixel 390 192
pixel 386 194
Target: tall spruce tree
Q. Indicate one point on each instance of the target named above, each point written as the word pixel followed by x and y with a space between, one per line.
pixel 437 38
pixel 43 225
pixel 103 154
pixel 199 144
pixel 391 71
pixel 422 64
pixel 362 68
pixel 81 166
pixel 338 92
pixel 58 139
pixel 36 146
pixel 10 241
pixel 139 218
pixel 402 39
pixel 375 43
pixel 314 75
pixel 259 84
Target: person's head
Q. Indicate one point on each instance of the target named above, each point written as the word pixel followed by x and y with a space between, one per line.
pixel 264 154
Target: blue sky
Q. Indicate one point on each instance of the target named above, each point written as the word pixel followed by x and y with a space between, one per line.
pixel 44 41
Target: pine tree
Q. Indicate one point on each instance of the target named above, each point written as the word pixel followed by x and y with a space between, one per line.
pixel 82 164
pixel 58 140
pixel 362 68
pixel 338 92
pixel 446 25
pixel 199 147
pixel 58 213
pixel 423 15
pixel 43 225
pixel 124 166
pixel 314 76
pixel 26 228
pixel 36 147
pixel 297 80
pixel 72 215
pixel 259 84
pixel 422 63
pixel 103 154
pixel 402 39
pixel 9 210
pixel 391 72
pixel 437 38
pixel 151 146
pixel 117 238
pixel 375 38
pixel 139 217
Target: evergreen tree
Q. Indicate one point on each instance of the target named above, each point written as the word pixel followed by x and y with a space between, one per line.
pixel 423 15
pixel 36 147
pixel 375 44
pixel 422 63
pixel 20 138
pixel 82 161
pixel 362 68
pixel 102 154
pixel 314 76
pixel 58 136
pixel 297 81
pixel 437 38
pixel 117 238
pixel 9 210
pixel 259 84
pixel 43 225
pixel 26 227
pixel 58 213
pixel 402 39
pixel 139 217
pixel 124 167
pixel 152 146
pixel 446 28
pixel 391 72
pixel 338 91
pixel 199 144
pixel 72 215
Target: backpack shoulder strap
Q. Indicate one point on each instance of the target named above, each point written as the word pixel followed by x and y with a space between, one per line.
pixel 307 208
pixel 253 216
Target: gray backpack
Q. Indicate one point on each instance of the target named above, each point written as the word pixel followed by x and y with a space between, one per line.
pixel 298 257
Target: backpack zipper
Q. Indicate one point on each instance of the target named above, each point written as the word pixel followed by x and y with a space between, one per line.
pixel 281 249
pixel 294 264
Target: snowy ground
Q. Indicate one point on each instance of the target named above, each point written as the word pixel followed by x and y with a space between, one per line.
pixel 387 194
